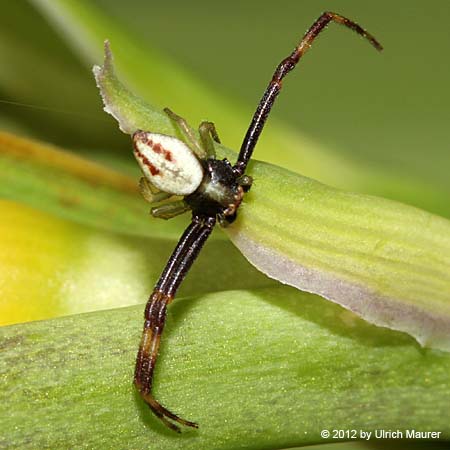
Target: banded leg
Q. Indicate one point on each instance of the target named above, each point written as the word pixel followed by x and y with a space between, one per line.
pixel 176 269
pixel 274 87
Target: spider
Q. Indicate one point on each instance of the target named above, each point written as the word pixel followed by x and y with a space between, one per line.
pixel 212 189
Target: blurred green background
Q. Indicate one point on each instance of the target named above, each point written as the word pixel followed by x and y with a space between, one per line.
pixel 387 113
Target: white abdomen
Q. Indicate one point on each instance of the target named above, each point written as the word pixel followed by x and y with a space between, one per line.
pixel 168 163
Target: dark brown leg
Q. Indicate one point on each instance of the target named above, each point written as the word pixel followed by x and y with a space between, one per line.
pixel 274 87
pixel 155 314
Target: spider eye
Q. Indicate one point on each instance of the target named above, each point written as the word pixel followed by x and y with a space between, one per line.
pixel 167 163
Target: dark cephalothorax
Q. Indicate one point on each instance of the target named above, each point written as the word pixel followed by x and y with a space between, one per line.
pixel 221 191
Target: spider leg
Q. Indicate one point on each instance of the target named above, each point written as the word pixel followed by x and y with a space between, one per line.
pixel 274 87
pixel 169 210
pixel 188 133
pixel 208 135
pixel 173 274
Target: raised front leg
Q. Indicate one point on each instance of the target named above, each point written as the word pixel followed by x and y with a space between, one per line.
pixel 285 66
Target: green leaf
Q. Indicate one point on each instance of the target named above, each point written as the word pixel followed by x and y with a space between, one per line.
pixel 130 111
pixel 388 262
pixel 263 369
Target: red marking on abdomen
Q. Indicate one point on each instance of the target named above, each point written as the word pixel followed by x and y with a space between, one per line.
pixel 158 148
pixel 153 170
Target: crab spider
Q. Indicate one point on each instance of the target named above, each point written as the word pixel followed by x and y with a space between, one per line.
pixel 187 176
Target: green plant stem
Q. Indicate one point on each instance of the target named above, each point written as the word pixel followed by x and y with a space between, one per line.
pixel 257 369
